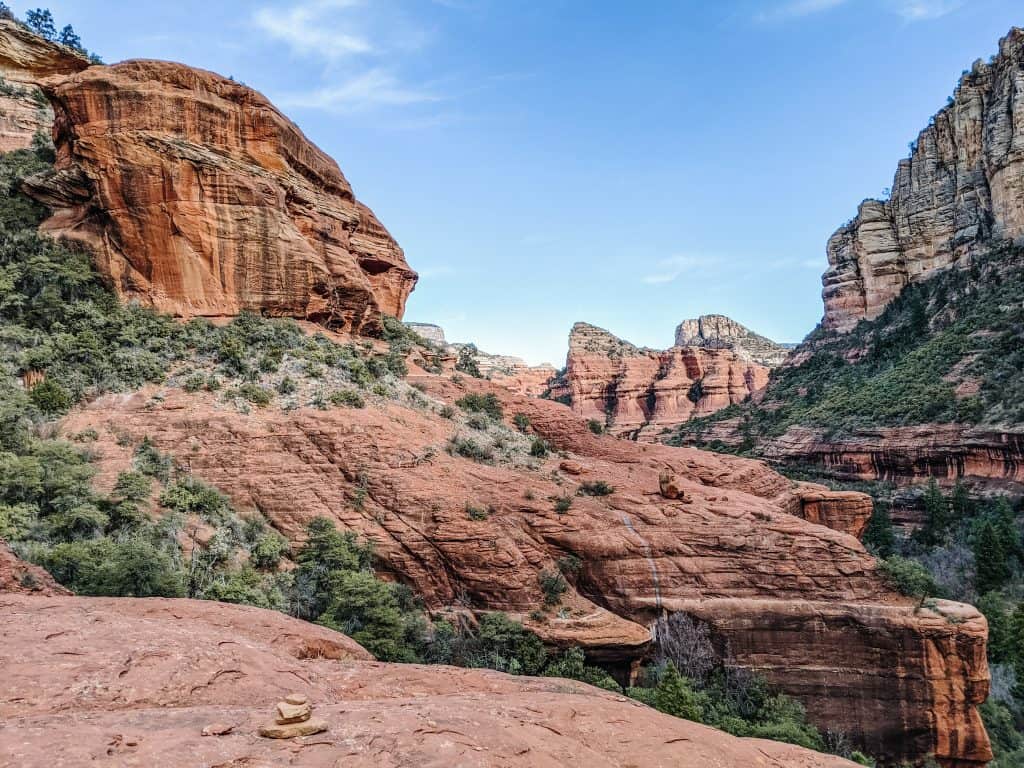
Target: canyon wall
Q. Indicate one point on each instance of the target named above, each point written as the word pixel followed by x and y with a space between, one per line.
pixel 961 188
pixel 637 392
pixel 198 197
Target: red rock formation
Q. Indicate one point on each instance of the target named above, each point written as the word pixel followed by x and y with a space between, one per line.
pixel 733 533
pixel 25 60
pixel 961 188
pixel 637 391
pixel 721 332
pixel 910 455
pixel 198 197
pixel 136 682
pixel 20 577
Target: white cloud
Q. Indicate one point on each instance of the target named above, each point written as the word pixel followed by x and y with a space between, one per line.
pixel 922 10
pixel 798 8
pixel 373 88
pixel 909 10
pixel 670 269
pixel 314 28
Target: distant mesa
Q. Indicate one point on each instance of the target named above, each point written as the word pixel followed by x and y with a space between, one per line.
pixel 637 392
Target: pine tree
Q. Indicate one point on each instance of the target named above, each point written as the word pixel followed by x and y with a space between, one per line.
pixel 70 39
pixel 960 502
pixel 41 22
pixel 879 536
pixel 936 520
pixel 991 554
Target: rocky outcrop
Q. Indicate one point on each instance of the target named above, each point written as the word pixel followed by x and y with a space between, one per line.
pixel 155 682
pixel 935 657
pixel 637 391
pixel 25 60
pixel 20 577
pixel 730 530
pixel 904 456
pixel 961 188
pixel 509 371
pixel 198 197
pixel 721 332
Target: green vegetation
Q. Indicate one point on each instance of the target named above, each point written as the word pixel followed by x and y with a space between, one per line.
pixel 596 488
pixel 488 404
pixel 553 585
pixel 961 326
pixel 562 504
pixel 539 448
pixel 466 362
pixel 595 426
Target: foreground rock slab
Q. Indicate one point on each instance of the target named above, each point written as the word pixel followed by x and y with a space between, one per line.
pixel 134 682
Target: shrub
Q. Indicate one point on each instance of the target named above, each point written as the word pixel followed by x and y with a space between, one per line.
pixel 553 585
pixel 487 404
pixel 562 504
pixel 477 513
pixel 287 386
pixel 908 577
pixel 268 550
pixel 595 426
pixel 539 448
pixel 596 488
pixel 150 462
pixel 367 610
pixel 521 422
pixel 50 397
pixel 572 665
pixel 675 696
pixel 131 568
pixel 470 449
pixel 466 361
pixel 255 394
pixel 347 398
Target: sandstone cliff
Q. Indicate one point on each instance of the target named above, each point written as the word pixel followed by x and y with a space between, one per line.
pixel 198 197
pixel 136 682
pixel 25 60
pixel 637 392
pixel 721 332
pixel 961 188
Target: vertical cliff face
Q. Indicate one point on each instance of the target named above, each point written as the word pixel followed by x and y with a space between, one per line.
pixel 961 188
pixel 636 390
pixel 198 197
pixel 721 332
pixel 25 60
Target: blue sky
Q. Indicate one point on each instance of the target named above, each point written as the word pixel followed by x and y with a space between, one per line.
pixel 627 164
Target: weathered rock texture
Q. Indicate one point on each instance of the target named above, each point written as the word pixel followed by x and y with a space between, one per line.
pixel 18 576
pixel 637 391
pixel 136 682
pixel 198 197
pixel 961 188
pixel 732 532
pixel 25 60
pixel 904 456
pixel 721 332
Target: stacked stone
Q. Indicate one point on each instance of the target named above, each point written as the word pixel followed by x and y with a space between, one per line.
pixel 293 719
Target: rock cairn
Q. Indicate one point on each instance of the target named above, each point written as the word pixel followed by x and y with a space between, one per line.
pixel 293 719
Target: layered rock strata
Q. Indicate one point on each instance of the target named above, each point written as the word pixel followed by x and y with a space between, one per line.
pixel 198 197
pixel 637 391
pixel 961 188
pixel 732 531
pixel 26 60
pixel 721 332
pixel 986 456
